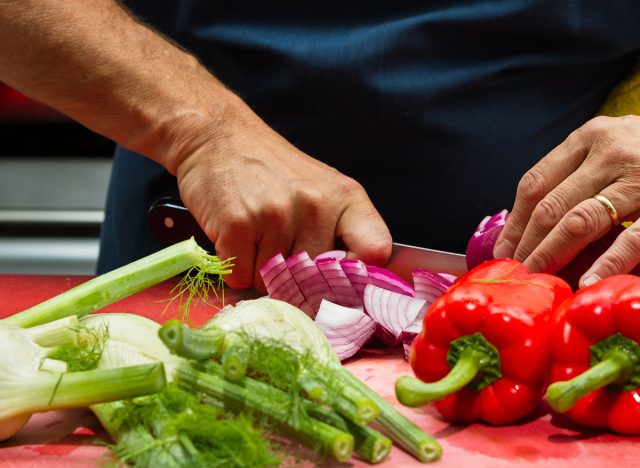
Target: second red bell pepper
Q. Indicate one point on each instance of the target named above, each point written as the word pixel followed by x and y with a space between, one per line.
pixel 596 356
pixel 484 345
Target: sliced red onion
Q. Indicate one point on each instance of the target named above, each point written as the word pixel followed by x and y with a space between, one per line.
pixel 480 246
pixel 335 254
pixel 280 284
pixel 347 329
pixel 393 311
pixel 357 273
pixel 409 334
pixel 430 285
pixel 343 290
pixel 386 279
pixel 309 279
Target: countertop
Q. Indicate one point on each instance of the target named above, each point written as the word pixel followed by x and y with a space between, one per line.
pixel 75 438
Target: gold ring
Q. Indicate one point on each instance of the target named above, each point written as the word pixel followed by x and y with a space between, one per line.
pixel 604 201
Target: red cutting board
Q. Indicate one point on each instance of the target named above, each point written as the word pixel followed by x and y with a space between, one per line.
pixel 73 438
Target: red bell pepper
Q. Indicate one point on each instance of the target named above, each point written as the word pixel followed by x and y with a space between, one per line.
pixel 484 345
pixel 596 356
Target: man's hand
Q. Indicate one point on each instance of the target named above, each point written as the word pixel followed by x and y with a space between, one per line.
pixel 252 192
pixel 555 215
pixel 255 195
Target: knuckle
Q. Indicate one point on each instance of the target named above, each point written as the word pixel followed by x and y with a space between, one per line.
pixel 313 203
pixel 350 187
pixel 610 263
pixel 540 261
pixel 580 222
pixel 239 225
pixel 547 214
pixel 596 125
pixel 531 185
pixel 277 213
pixel 630 239
pixel 630 121
pixel 610 150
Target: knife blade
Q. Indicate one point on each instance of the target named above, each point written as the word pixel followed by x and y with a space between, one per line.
pixel 170 222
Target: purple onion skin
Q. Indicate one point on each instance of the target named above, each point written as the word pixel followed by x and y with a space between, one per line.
pixel 572 272
pixel 480 245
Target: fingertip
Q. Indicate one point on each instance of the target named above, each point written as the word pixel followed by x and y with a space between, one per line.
pixel 364 234
pixel 238 281
pixel 242 272
pixel 503 249
pixel 258 283
pixel 588 279
pixel 371 250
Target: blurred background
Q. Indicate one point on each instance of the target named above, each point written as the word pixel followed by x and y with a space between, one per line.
pixel 53 182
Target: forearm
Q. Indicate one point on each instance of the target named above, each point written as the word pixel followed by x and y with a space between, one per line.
pixel 91 60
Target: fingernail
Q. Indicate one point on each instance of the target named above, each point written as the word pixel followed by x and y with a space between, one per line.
pixel 503 249
pixel 589 280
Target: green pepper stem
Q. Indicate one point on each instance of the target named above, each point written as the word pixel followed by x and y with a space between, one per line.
pixel 562 396
pixel 413 392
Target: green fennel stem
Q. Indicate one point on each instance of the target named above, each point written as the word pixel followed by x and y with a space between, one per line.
pixel 190 343
pixel 413 392
pixel 234 361
pixel 138 440
pixel 122 282
pixel 370 444
pixel 235 353
pixel 328 440
pixel 562 396
pixel 402 431
pixel 74 389
pixel 60 332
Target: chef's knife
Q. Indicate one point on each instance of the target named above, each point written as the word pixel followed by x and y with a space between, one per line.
pixel 170 222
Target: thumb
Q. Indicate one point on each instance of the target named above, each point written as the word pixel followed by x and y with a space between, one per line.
pixel 364 233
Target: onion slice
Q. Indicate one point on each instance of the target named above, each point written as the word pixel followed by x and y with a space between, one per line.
pixel 357 273
pixel 311 282
pixel 347 329
pixel 392 311
pixel 386 279
pixel 280 284
pixel 335 254
pixel 343 290
pixel 429 285
pixel 409 334
pixel 481 243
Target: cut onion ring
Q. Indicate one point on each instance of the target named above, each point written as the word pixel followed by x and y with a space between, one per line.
pixel 393 311
pixel 347 329
pixel 429 285
pixel 311 282
pixel 386 279
pixel 344 292
pixel 280 284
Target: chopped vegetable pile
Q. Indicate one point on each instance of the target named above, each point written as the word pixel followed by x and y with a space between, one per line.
pixel 379 302
pixel 262 382
pixel 249 388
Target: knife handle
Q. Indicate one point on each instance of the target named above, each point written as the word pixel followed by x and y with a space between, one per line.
pixel 171 222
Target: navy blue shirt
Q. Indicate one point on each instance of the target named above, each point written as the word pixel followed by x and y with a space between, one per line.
pixel 436 107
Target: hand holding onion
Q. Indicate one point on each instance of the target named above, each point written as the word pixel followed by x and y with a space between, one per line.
pixel 555 215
